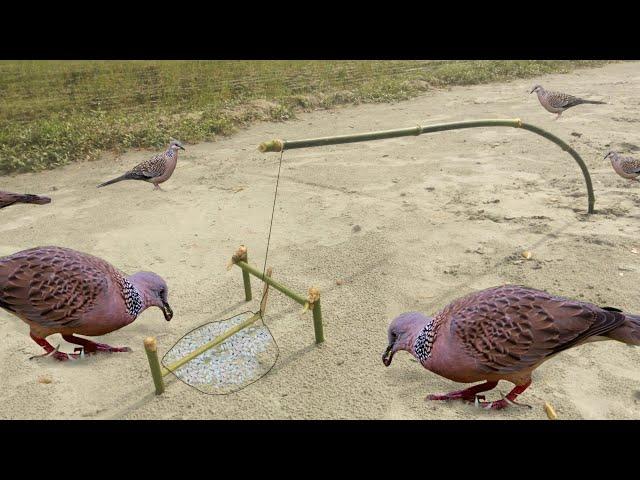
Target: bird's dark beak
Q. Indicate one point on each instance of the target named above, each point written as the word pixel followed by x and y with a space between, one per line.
pixel 532 91
pixel 387 356
pixel 182 148
pixel 166 309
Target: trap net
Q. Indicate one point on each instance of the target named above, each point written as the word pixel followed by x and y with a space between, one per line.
pixel 225 356
pixel 241 350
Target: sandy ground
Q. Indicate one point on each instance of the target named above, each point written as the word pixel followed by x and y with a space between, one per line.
pixel 440 215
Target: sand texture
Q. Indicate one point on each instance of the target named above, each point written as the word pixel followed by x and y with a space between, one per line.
pixel 380 227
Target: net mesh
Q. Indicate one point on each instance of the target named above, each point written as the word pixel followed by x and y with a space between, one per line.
pixel 235 363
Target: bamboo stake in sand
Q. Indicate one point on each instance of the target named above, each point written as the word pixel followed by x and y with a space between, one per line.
pixel 151 347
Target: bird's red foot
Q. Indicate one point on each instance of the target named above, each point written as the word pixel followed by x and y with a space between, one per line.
pixel 58 355
pixel 471 395
pixel 92 347
pixel 101 347
pixel 468 394
pixel 505 401
pixel 499 404
pixel 455 396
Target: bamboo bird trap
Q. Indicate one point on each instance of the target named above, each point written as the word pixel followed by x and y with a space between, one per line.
pixel 282 145
pixel 225 356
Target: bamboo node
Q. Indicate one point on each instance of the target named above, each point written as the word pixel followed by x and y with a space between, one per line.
pixel 518 123
pixel 241 254
pixel 419 127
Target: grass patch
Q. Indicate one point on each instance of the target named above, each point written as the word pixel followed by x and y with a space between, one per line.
pixel 56 112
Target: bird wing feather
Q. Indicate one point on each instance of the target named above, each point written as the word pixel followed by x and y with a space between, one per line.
pixel 562 100
pixel 508 329
pixel 9 198
pixel 53 286
pixel 630 165
pixel 154 167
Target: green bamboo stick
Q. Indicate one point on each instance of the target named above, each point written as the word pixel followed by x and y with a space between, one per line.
pixel 151 347
pixel 280 145
pixel 278 286
pixel 247 281
pixel 317 322
pixel 567 148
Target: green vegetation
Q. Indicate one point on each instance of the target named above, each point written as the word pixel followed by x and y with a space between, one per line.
pixel 54 112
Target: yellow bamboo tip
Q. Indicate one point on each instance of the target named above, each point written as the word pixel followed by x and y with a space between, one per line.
pixel 150 344
pixel 241 254
pixel 313 295
pixel 271 146
pixel 551 413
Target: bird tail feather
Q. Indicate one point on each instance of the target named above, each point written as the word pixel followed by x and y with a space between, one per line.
pixel 629 331
pixel 594 102
pixel 115 180
pixel 36 199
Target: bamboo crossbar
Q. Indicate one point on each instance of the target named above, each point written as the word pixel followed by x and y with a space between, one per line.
pixel 278 286
pixel 308 303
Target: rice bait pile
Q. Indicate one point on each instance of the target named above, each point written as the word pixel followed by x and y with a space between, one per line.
pixel 238 361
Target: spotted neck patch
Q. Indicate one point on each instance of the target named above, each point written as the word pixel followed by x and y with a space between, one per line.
pixel 424 342
pixel 132 298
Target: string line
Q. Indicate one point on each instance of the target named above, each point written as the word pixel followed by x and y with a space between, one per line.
pixel 273 211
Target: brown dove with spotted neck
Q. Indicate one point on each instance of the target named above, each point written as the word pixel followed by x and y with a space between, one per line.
pixel 156 170
pixel 503 333
pixel 59 290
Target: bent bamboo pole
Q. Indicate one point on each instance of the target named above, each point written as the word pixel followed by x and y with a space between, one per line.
pixel 280 145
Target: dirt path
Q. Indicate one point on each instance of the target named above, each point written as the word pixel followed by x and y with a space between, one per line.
pixel 440 215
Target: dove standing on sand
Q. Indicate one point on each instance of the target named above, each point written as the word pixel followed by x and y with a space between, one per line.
pixel 59 290
pixel 8 198
pixel 626 167
pixel 557 102
pixel 503 333
pixel 156 170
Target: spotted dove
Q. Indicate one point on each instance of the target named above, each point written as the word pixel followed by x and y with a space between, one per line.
pixel 557 102
pixel 8 198
pixel 626 167
pixel 156 170
pixel 503 333
pixel 59 290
